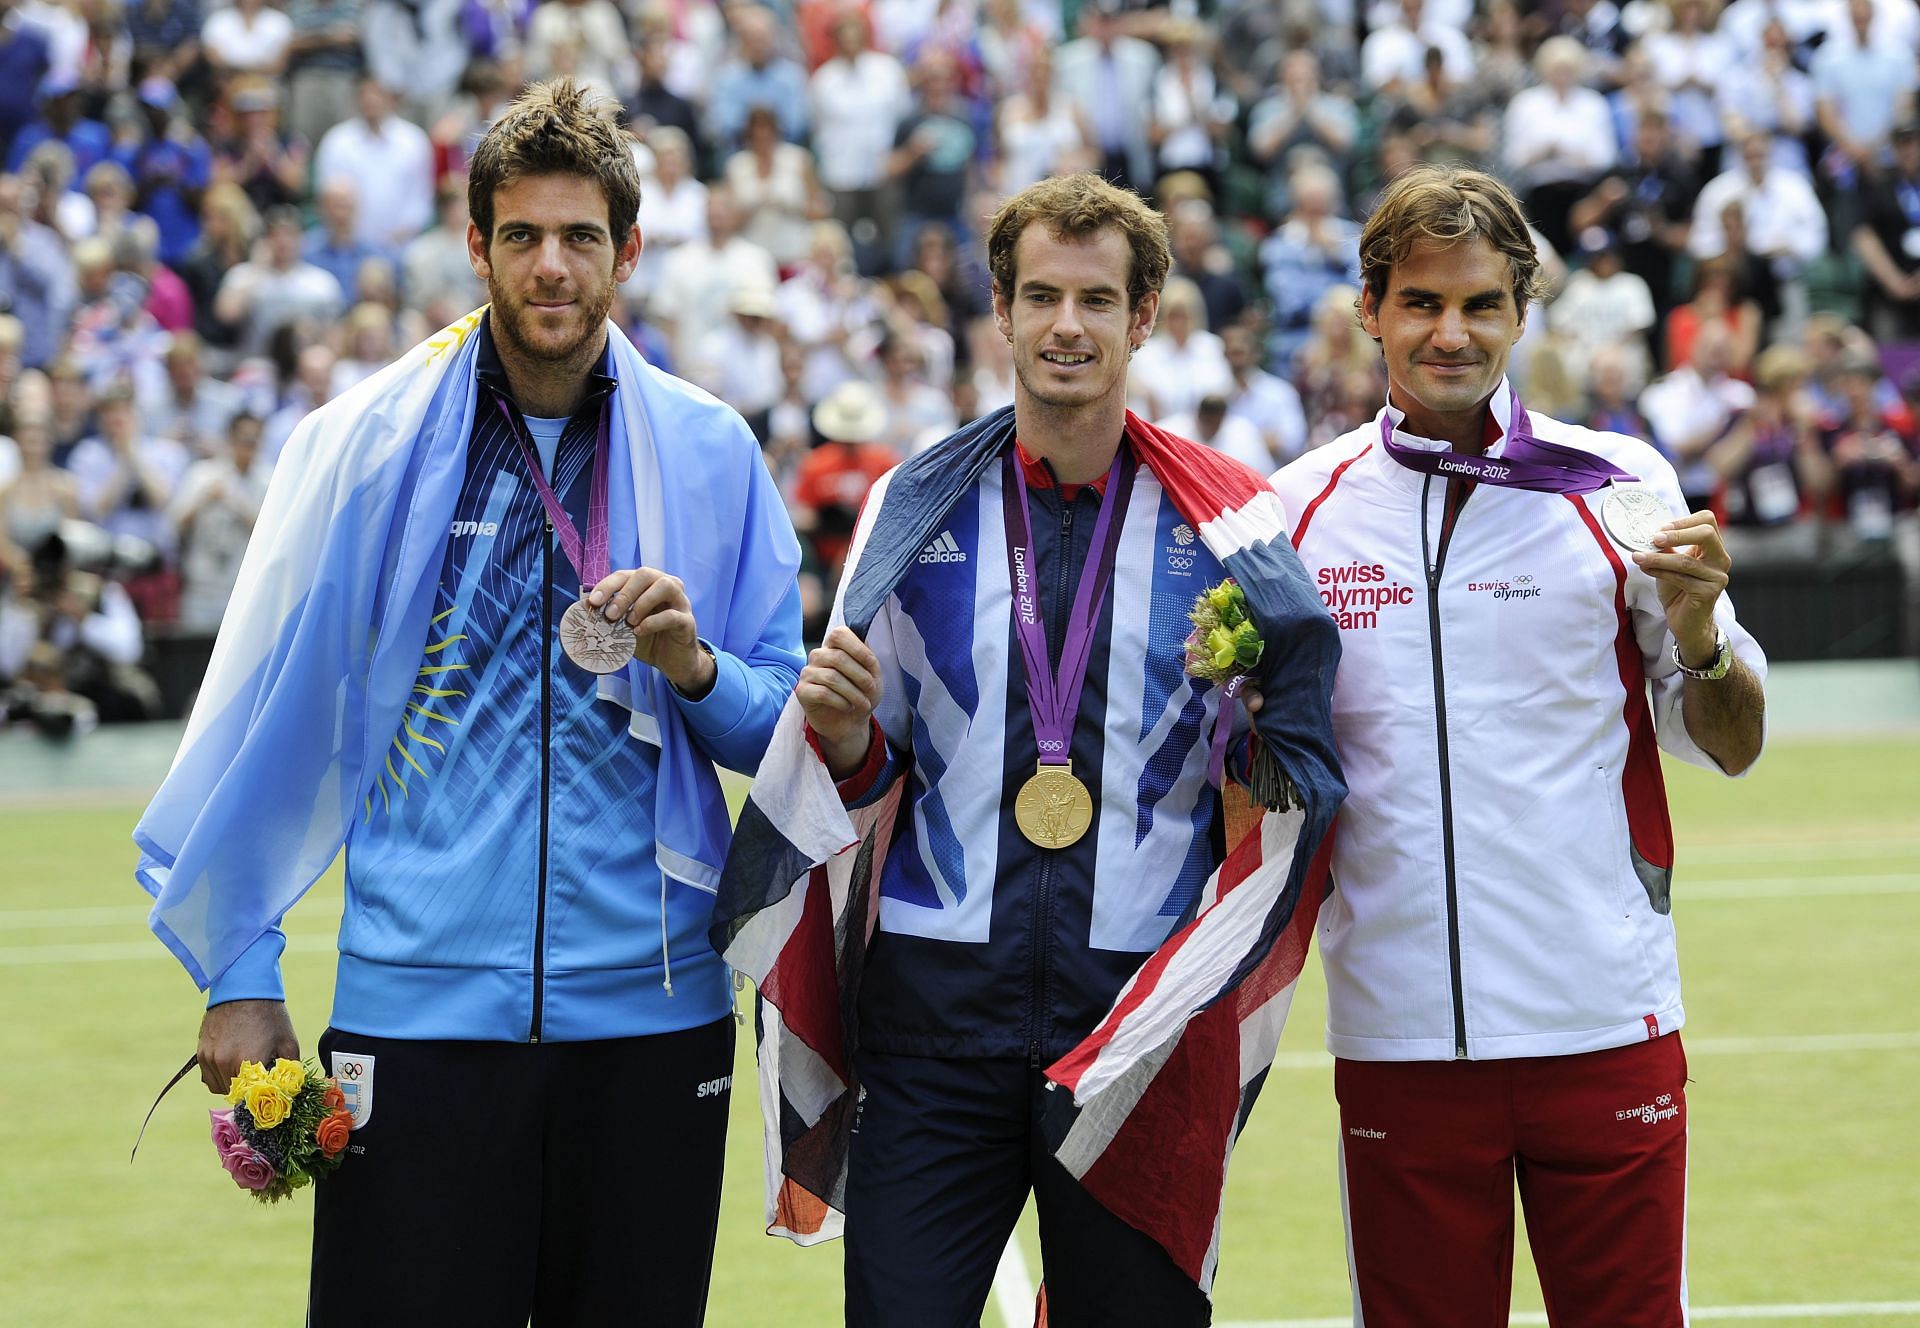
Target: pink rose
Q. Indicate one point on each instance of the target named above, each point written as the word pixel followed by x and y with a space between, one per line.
pixel 226 1135
pixel 249 1170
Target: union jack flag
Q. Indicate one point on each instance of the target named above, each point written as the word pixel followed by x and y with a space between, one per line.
pixel 1158 1093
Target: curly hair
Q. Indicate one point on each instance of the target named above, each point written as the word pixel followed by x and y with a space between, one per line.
pixel 1447 205
pixel 556 128
pixel 1080 206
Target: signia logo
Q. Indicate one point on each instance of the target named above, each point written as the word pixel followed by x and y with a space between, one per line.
pixel 944 549
pixel 715 1087
pixel 475 528
pixel 1183 534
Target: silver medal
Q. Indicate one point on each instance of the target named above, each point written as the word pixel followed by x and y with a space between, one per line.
pixel 592 642
pixel 1633 514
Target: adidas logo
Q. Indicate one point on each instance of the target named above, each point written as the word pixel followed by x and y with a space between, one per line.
pixel 945 549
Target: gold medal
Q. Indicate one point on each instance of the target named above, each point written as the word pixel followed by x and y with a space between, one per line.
pixel 1053 809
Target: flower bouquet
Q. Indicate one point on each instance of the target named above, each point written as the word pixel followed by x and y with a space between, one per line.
pixel 1223 648
pixel 287 1127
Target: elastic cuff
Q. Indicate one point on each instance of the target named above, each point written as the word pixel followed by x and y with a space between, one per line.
pixel 255 975
pixel 725 704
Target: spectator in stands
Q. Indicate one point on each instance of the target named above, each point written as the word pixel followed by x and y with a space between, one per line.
pixel 36 279
pixel 61 121
pixel 1447 121
pixel 435 273
pixel 25 58
pixel 1014 36
pixel 1313 251
pixel 738 358
pixel 166 37
pixel 112 336
pixel 933 152
pixel 654 105
pixel 1040 133
pixel 126 476
pixel 312 388
pixel 756 74
pixel 1603 304
pixel 773 183
pixel 1108 77
pixel 1775 97
pixel 1199 257
pixel 213 516
pixel 1785 226
pixel 963 288
pixel 701 275
pixel 1210 423
pixel 1334 354
pixel 1270 404
pixel 834 478
pixel 1772 466
pixel 828 310
pixel 247 37
pixel 229 226
pixel 1614 378
pixel 270 165
pixel 595 35
pixel 1501 68
pixel 1863 89
pixel 1887 242
pixel 37 498
pixel 333 242
pixel 673 204
pixel 385 157
pixel 417 50
pixel 1876 459
pixel 1300 118
pixel 57 203
pixel 1598 26
pixel 191 407
pixel 70 405
pixel 856 101
pixel 1648 202
pixel 324 62
pixel 1182 361
pixel 1191 112
pixel 1693 408
pixel 171 169
pixel 917 413
pixel 1690 60
pixel 1559 139
pixel 1396 54
pixel 93 642
pixel 277 286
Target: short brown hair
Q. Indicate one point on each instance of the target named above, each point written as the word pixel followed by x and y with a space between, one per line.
pixel 556 128
pixel 1079 207
pixel 1444 205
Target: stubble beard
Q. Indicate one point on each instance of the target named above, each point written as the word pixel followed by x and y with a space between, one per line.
pixel 516 325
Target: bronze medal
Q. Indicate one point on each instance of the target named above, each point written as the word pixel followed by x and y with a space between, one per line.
pixel 592 642
pixel 1053 809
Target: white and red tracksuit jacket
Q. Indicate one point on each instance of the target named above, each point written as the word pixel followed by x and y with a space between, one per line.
pixel 1501 866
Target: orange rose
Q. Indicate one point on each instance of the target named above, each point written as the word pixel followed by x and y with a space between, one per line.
pixel 333 1099
pixel 331 1134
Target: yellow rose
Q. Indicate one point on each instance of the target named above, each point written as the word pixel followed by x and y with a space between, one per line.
pixel 249 1074
pixel 267 1104
pixel 289 1077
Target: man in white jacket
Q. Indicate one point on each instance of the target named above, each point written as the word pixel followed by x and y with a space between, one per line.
pixel 1523 625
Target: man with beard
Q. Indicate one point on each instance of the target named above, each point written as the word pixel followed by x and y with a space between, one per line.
pixel 530 849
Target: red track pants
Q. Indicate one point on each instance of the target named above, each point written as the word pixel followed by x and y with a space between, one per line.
pixel 1430 1153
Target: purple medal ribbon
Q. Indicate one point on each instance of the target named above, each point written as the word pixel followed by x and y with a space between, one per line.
pixel 1526 462
pixel 1054 701
pixel 589 557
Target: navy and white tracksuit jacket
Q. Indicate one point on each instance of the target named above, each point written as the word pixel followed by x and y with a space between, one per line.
pixel 986 944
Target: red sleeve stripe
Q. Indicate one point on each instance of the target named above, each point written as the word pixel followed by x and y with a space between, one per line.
pixel 1306 517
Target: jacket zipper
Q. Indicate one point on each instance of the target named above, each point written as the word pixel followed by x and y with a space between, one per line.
pixel 1043 886
pixel 546 779
pixel 1435 564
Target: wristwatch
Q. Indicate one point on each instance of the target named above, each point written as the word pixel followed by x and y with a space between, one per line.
pixel 1716 667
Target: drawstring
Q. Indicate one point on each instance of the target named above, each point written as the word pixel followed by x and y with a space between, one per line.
pixel 666 954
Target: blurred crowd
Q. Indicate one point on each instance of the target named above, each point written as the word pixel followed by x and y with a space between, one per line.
pixel 213 219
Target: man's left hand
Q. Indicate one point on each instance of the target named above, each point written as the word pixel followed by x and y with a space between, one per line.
pixel 1689 564
pixel 656 606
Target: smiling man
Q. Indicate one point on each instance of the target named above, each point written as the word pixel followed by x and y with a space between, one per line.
pixel 1526 609
pixel 508 604
pixel 1004 707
